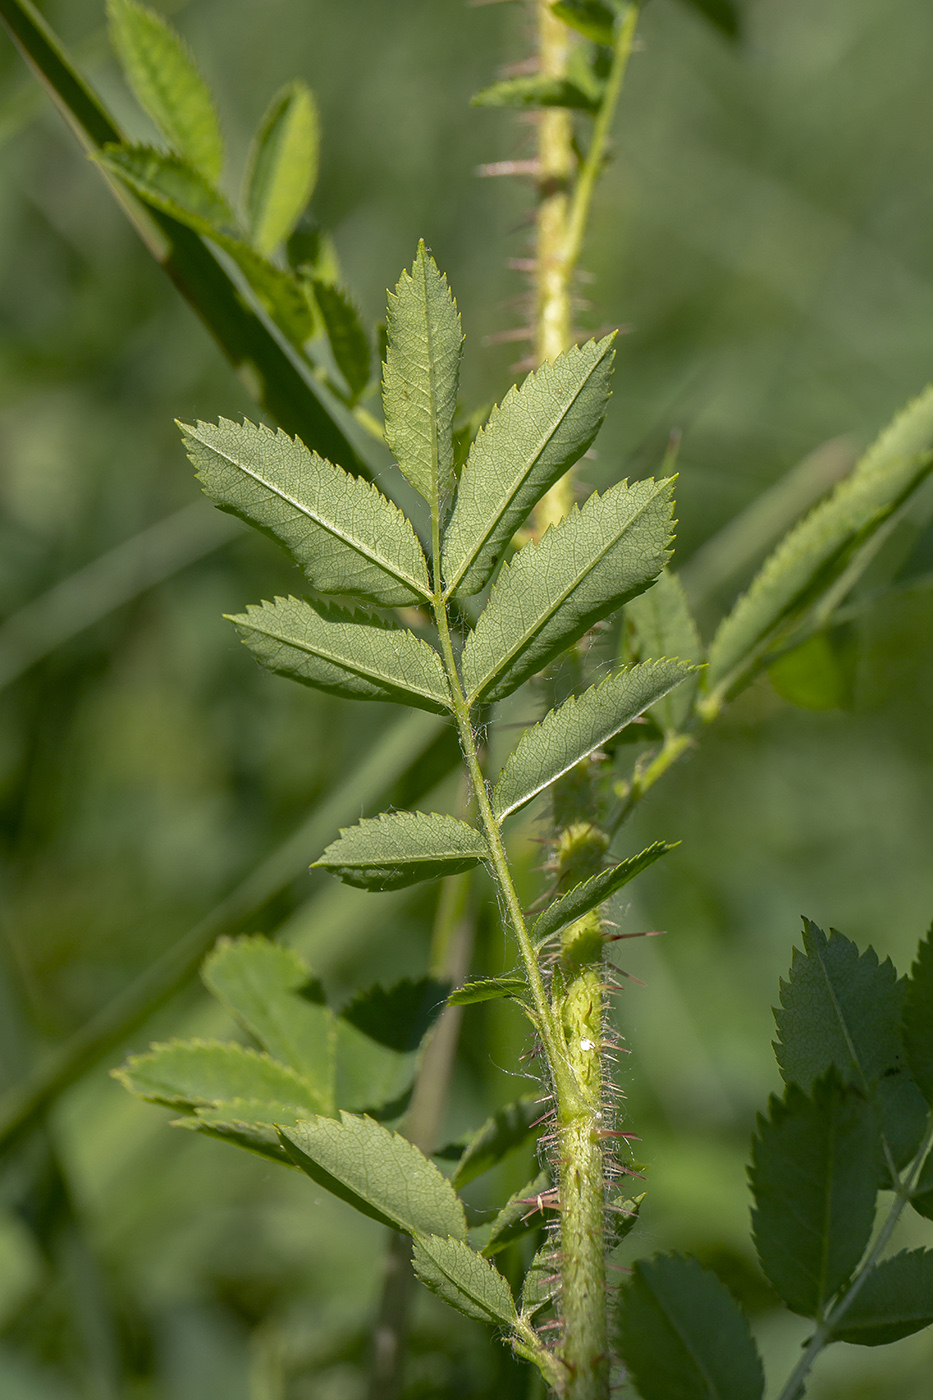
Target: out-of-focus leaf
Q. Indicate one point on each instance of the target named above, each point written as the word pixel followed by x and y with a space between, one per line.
pixel 681 1333
pixel 552 592
pixel 463 1279
pixel 591 18
pixel 402 848
pixel 533 92
pixel 191 1073
pixel 817 675
pixel 488 989
pixel 282 166
pixel 378 1172
pixel 589 894
pixel 165 79
pixel 522 1213
pixel 535 435
pixel 663 625
pixel 346 334
pixel 509 1128
pixel 724 14
pixel 918 1018
pixel 921 1198
pixel 371 1078
pixel 814 1179
pixel 330 650
pixel 249 1123
pixel 895 1300
pixel 548 750
pixel 339 529
pixel 400 1016
pixel 272 993
pixel 419 385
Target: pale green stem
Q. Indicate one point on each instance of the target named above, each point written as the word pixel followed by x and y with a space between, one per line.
pixel 794 1387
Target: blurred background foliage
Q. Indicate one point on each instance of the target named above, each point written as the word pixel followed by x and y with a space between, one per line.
pixel 764 235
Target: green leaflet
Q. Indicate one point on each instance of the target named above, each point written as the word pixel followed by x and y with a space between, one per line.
pixel 378 1036
pixel 814 554
pixel 542 1281
pixel 535 435
pixel 165 79
pixel 189 1073
pixel 270 991
pixel 813 1176
pixel 918 1018
pixel 488 989
pixel 422 371
pixel 532 92
pixel 724 14
pixel 682 1334
pixel 249 1123
pixel 378 1172
pixel 399 1016
pixel 522 1213
pixel 169 185
pixel 921 1198
pixel 346 335
pixel 333 652
pixel 509 1128
pixel 282 165
pixel 589 894
pixel 591 18
pixel 401 848
pixel 341 530
pixel 371 1078
pixel 842 1008
pixel 463 1279
pixel 552 592
pixel 663 625
pixel 583 723
pixel 895 1300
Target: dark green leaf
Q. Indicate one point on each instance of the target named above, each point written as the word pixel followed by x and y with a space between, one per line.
pixel 683 1335
pixel 921 1198
pixel 463 1279
pixel 281 169
pixel 332 651
pixel 191 1073
pixel 582 724
pixel 539 430
pixel 595 891
pixel 165 79
pixel 724 14
pixel 401 848
pixel 663 625
pixel 814 1179
pixel 591 18
pixel 895 1300
pixel 340 530
pixel 348 340
pixel 534 92
pixel 400 1016
pixel 378 1172
pixel 509 1128
pixel 522 1213
pixel 488 989
pixel 918 1018
pixel 422 371
pixel 553 592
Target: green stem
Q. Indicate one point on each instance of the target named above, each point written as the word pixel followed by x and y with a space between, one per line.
pixel 823 1334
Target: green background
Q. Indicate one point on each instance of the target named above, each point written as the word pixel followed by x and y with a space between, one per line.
pixel 764 236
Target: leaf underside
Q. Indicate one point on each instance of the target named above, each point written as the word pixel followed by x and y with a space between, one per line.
pixel 463 1279
pixel 554 591
pixel 400 848
pixel 664 626
pixel 488 989
pixel 509 1128
pixel 542 1281
pixel 589 894
pixel 282 166
pixel 198 1073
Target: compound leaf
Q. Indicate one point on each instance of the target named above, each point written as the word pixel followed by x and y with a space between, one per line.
pixel 192 1073
pixel 918 1018
pixel 463 1279
pixel 895 1300
pixel 339 529
pixel 282 166
pixel 814 1179
pixel 346 335
pixel 591 18
pixel 401 848
pixel 535 91
pixel 509 1128
pixel 332 651
pixel 379 1172
pixel 589 894
pixel 818 550
pixel 488 989
pixel 552 592
pixel 166 82
pixel 535 435
pixel 681 1333
pixel 270 991
pixel 422 371
pixel 663 625
pixel 583 723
